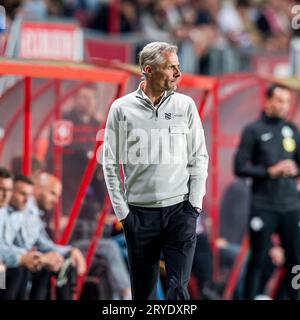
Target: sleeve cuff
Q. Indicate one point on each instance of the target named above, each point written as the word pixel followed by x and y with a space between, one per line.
pixel 196 203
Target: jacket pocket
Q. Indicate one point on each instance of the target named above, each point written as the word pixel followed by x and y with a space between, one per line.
pixel 193 210
pixel 179 129
pixel 178 140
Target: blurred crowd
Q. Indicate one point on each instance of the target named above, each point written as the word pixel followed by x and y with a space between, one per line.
pixel 245 24
pixel 28 233
pixel 30 257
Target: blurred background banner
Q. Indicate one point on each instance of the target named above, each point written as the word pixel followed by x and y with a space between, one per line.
pixel 51 41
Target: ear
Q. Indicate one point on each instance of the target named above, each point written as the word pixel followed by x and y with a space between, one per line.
pixel 148 69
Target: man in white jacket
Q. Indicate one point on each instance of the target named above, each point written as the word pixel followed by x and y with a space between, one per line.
pixel 156 136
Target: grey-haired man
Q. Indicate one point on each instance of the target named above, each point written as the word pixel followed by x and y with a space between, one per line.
pixel 157 137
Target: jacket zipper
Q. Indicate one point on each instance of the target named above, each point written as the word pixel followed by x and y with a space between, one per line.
pixel 156 109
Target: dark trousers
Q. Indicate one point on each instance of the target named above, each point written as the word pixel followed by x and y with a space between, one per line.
pixel 263 223
pixel 150 231
pixel 16 280
pixel 41 284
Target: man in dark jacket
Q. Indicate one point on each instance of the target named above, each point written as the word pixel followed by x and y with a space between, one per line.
pixel 269 153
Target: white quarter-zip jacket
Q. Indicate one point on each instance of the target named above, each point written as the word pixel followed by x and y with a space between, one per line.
pixel 161 150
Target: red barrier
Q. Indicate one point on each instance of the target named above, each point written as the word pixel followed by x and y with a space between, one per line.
pixel 215 197
pixel 27 128
pixel 57 157
pixel 61 70
pixel 236 270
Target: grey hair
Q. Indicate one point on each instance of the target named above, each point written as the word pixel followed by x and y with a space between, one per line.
pixel 152 53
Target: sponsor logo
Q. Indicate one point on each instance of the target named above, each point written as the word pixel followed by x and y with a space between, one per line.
pixel 266 136
pixel 168 116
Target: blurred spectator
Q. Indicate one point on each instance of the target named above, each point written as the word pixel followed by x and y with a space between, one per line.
pixel 6 187
pixel 11 7
pixel 26 247
pixel 108 265
pixel 273 21
pixel 128 17
pixel 34 9
pixel 16 278
pixel 108 271
pixel 237 23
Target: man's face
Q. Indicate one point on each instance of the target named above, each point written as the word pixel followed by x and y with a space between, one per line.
pixel 85 101
pixel 6 188
pixel 279 104
pixel 48 197
pixel 22 191
pixel 165 76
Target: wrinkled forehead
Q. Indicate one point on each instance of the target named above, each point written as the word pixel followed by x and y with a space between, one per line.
pixel 170 58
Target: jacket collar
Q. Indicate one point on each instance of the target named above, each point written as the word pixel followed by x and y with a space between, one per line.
pixel 271 120
pixel 142 95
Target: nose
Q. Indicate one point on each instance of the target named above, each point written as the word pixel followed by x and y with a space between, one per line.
pixel 177 72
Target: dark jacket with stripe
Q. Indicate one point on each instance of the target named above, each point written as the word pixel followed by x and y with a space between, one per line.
pixel 264 143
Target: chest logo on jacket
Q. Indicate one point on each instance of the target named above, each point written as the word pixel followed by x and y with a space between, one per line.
pixel 266 136
pixel 288 142
pixel 168 116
